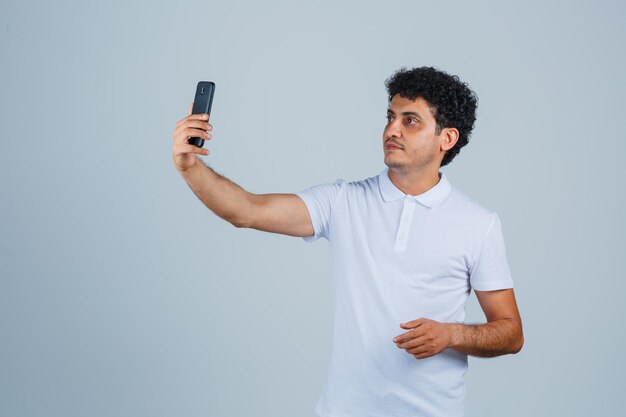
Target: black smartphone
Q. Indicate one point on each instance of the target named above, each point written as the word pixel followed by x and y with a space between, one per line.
pixel 202 104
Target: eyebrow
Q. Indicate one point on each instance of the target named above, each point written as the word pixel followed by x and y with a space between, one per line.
pixel 407 113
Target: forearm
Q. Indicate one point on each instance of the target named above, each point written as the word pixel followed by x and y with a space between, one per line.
pixel 498 337
pixel 222 196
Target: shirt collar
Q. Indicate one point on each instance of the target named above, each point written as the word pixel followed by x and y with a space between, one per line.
pixel 431 198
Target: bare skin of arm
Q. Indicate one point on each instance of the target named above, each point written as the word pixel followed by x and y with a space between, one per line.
pixel 501 335
pixel 277 213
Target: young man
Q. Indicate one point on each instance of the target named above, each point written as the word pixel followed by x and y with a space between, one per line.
pixel 407 248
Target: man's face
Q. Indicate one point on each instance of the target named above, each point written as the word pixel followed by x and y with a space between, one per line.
pixel 411 126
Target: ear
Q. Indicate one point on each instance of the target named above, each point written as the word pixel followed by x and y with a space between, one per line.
pixel 448 138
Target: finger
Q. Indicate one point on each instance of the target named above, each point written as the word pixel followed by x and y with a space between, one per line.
pixel 182 149
pixel 402 337
pixel 412 323
pixel 430 348
pixel 411 334
pixel 412 343
pixel 195 149
pixel 423 355
pixel 184 139
pixel 198 124
pixel 199 116
pixel 184 134
pixel 190 108
pixel 185 130
pixel 421 342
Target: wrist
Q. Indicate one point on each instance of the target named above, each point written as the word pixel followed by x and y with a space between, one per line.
pixel 186 171
pixel 454 332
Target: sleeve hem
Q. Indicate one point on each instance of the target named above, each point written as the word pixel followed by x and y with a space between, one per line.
pixel 320 227
pixel 309 205
pixel 493 285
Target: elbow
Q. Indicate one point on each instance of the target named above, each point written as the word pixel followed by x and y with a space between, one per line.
pixel 518 338
pixel 239 224
pixel 240 221
pixel 242 218
pixel 518 345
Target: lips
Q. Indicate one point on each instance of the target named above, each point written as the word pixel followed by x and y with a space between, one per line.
pixel 392 146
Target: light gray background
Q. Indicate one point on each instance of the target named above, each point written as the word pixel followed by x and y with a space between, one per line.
pixel 121 294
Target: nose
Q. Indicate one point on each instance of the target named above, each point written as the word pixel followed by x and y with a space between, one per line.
pixel 393 129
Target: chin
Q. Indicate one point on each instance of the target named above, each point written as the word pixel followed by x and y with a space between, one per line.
pixel 393 164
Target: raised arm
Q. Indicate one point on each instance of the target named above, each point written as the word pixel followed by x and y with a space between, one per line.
pixel 277 213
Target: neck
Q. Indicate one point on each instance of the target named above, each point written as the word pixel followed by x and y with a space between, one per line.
pixel 414 183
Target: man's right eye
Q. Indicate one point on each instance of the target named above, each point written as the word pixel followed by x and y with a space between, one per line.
pixel 388 118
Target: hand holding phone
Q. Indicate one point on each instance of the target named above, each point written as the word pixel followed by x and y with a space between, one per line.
pixel 191 131
pixel 202 105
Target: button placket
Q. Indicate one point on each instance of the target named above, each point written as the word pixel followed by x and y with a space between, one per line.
pixel 404 228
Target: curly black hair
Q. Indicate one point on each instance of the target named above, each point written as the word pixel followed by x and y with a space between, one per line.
pixel 451 101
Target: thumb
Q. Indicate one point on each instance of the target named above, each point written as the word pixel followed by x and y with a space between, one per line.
pixel 190 107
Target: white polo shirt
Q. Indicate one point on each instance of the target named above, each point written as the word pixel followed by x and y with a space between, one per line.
pixel 396 258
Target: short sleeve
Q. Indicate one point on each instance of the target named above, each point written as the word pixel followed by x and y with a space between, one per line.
pixel 319 200
pixel 491 269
